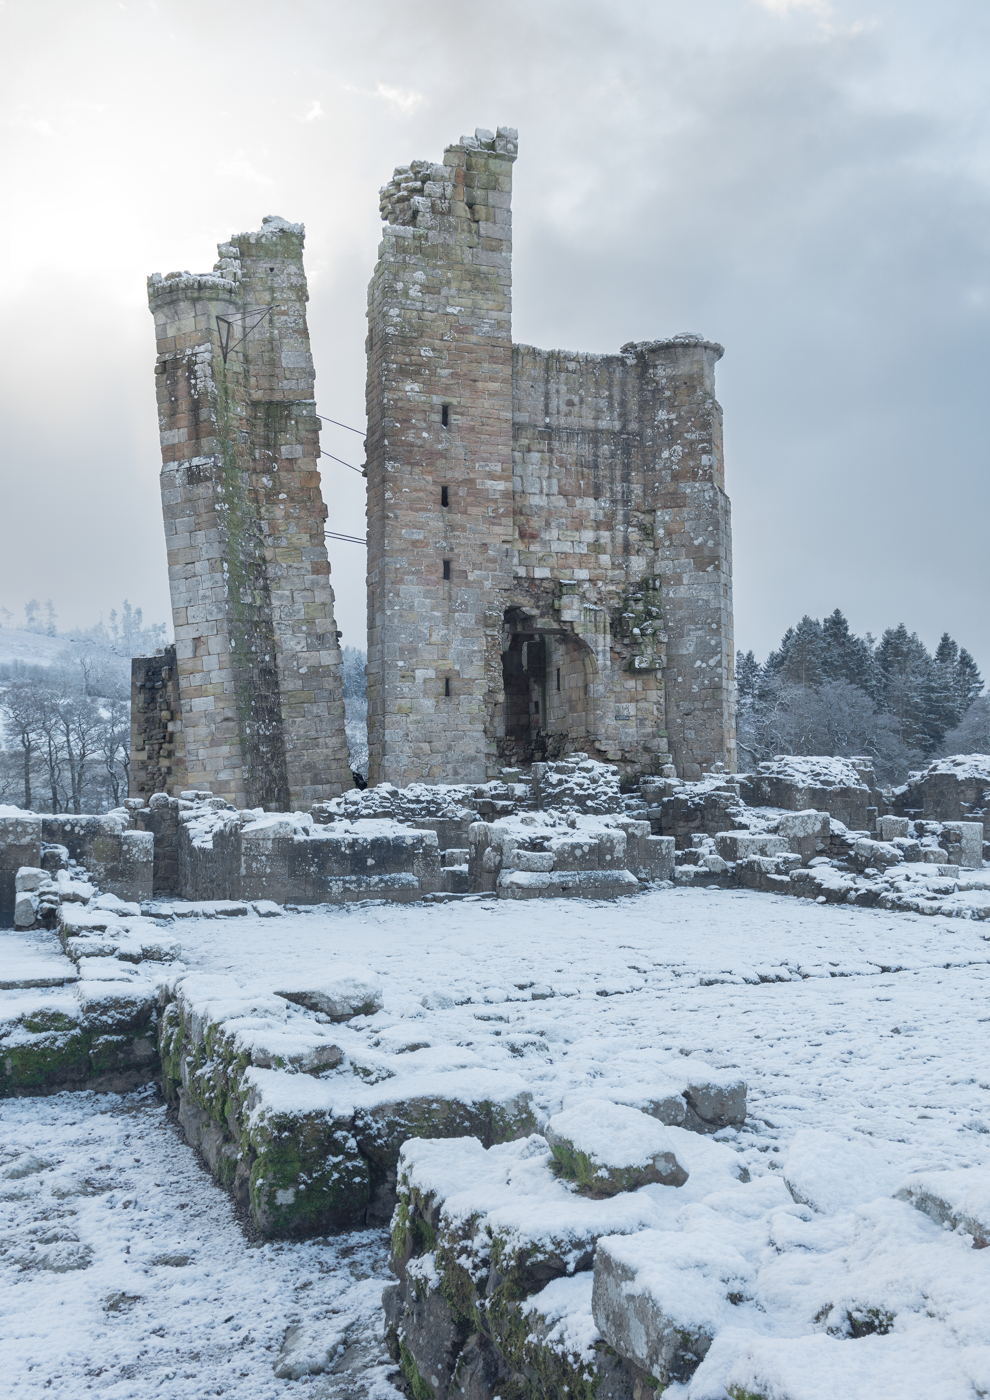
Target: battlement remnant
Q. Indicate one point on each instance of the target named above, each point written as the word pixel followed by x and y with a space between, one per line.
pixel 549 564
pixel 261 715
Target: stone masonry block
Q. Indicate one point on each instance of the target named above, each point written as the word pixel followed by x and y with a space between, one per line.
pixel 20 845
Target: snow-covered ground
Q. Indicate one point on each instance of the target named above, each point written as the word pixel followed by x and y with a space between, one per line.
pixel 867 1025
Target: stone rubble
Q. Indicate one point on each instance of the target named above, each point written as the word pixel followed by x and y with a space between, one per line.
pixel 511 1281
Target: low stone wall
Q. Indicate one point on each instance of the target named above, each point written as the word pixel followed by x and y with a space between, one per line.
pixel 495 1250
pixel 952 789
pixel 94 1035
pixel 218 852
pixel 555 855
pixel 845 788
pixel 120 860
pixel 248 1069
pixel 20 844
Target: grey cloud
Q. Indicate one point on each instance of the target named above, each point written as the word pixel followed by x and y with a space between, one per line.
pixel 813 197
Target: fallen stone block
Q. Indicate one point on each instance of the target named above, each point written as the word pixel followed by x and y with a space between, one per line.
pixel 959 1199
pixel 30 879
pixel 607 1148
pixel 831 1175
pixel 716 1099
pixel 310 1348
pixel 659 1298
pixel 25 910
pixel 890 827
pixel 570 853
pixel 739 845
pixel 487 1106
pixel 683 1093
pixel 769 874
pixel 807 833
pixel 540 861
pixel 456 880
pixel 963 842
pixel 341 993
pixel 479 1240
pixel 878 854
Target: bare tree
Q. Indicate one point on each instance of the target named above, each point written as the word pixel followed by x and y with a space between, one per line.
pixel 22 713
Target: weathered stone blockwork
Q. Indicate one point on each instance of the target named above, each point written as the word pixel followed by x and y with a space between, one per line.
pixel 257 654
pixel 549 547
pixel 158 747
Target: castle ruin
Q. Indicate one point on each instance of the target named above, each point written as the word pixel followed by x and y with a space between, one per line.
pixel 549 557
pixel 249 706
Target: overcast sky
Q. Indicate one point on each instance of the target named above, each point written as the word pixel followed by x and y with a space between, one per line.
pixel 806 182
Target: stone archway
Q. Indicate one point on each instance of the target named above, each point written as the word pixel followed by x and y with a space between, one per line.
pixel 547 678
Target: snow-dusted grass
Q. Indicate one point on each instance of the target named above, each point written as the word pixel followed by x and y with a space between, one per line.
pixel 867 1025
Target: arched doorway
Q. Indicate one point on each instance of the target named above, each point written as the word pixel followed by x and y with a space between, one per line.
pixel 547 678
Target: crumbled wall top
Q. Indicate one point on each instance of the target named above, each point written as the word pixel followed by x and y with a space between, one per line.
pixel 426 187
pixel 960 765
pixel 817 770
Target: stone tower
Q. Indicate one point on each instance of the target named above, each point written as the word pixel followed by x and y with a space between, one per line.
pixel 256 646
pixel 549 563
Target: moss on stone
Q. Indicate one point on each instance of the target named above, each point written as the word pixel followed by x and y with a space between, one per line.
pixel 53 1057
pixel 593 1178
pixel 543 1371
pixel 299 1185
pixel 44 1020
pixel 420 1388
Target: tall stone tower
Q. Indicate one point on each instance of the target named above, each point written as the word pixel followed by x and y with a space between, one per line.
pixel 257 655
pixel 549 563
pixel 439 452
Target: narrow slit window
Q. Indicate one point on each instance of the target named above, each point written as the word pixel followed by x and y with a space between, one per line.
pixel 446 685
pixel 444 496
pixel 445 416
pixel 446 568
pixel 558 677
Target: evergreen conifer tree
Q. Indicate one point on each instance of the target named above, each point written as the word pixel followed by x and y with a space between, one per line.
pixel 904 665
pixel 969 682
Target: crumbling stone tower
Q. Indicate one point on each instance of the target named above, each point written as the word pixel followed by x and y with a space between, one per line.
pixel 549 564
pixel 256 645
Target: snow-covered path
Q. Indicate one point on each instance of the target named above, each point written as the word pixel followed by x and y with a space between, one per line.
pixel 858 1022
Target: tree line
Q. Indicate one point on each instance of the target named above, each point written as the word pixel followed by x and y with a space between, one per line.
pixel 65 727
pixel 826 690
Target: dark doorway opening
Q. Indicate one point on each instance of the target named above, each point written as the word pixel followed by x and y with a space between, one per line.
pixel 524 676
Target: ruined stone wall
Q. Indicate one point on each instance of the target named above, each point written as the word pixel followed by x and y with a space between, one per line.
pixel 158 747
pixel 440 428
pixel 588 604
pixel 621 528
pixel 256 643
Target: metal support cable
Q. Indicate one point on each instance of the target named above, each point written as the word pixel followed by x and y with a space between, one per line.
pixel 325 419
pixel 341 461
pixel 349 539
